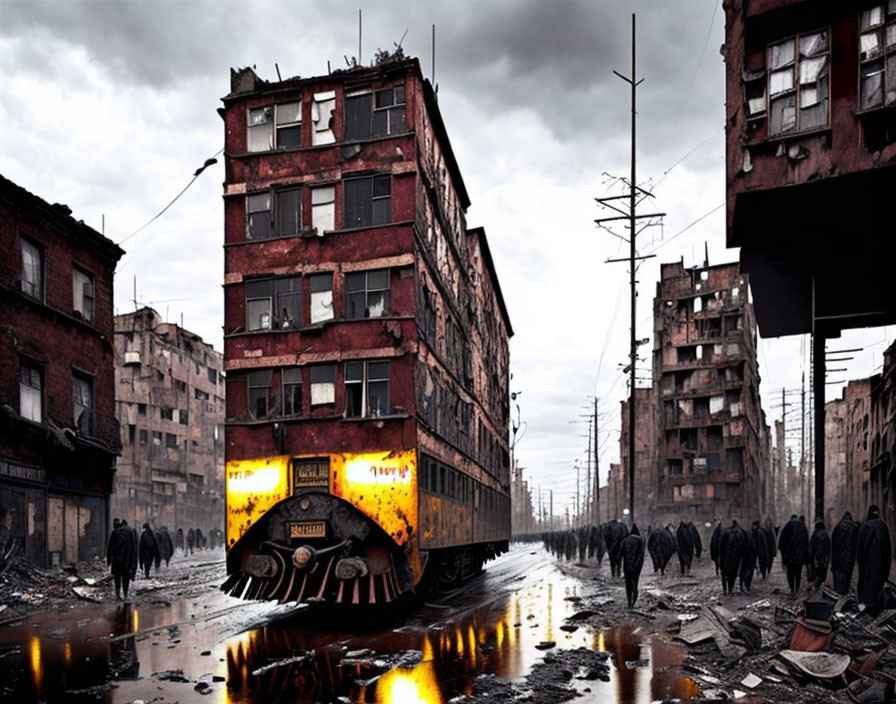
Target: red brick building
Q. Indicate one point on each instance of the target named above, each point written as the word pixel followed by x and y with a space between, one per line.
pixel 58 434
pixel 712 442
pixel 361 315
pixel 645 455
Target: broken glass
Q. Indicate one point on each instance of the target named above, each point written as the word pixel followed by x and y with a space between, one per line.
pixel 811 70
pixel 782 114
pixel 780 81
pixel 781 54
pixel 260 129
pixel 811 44
pixel 872 17
pixel 870 45
pixel 871 93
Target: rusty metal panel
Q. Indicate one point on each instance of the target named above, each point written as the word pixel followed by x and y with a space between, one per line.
pixel 55 526
pixel 252 488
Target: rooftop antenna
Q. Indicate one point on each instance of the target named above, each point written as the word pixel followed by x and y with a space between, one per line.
pixel 705 253
pixel 279 77
pixel 104 225
pixel 135 292
pixel 359 36
pixel 433 72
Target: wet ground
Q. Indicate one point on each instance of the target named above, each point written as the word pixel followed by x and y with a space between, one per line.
pixel 520 630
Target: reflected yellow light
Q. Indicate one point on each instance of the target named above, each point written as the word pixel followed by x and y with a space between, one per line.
pixel 67 656
pixel 254 480
pixel 459 638
pixel 601 643
pixel 136 621
pixel 416 686
pixel 37 666
pixel 427 648
pixel 253 487
pixel 499 634
pixel 471 644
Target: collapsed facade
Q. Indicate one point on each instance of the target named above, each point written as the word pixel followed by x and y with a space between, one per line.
pixel 365 328
pixel 712 456
pixel 58 434
pixel 170 402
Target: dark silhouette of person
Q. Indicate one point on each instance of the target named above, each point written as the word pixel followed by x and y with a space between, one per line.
pixel 596 546
pixel 149 550
pixel 714 543
pixel 747 560
pixel 191 539
pixel 819 554
pixel 695 540
pixel 179 540
pixel 120 557
pixel 794 546
pixel 135 542
pixel 685 541
pixel 166 547
pixel 844 542
pixel 874 554
pixel 731 547
pixel 614 533
pixel 632 549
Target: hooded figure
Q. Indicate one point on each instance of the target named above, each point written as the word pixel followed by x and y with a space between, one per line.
pixel 655 548
pixel 179 540
pixel 819 554
pixel 149 550
pixel 844 540
pixel 632 549
pixel 685 541
pixel 873 553
pixel 191 539
pixel 747 559
pixel 120 555
pixel 614 533
pixel 784 537
pixel 794 546
pixel 582 542
pixel 768 530
pixel 763 558
pixel 569 544
pixel 596 546
pixel 166 547
pixel 695 539
pixel 714 543
pixel 135 541
pixel 730 548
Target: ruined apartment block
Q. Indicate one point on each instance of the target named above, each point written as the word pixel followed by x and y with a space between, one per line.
pixel 170 403
pixel 645 454
pixel 58 433
pixel 710 462
pixel 361 315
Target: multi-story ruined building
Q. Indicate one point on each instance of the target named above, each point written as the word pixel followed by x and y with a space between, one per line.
pixel 363 320
pixel 811 155
pixel 522 517
pixel 58 433
pixel 614 494
pixel 706 384
pixel 170 403
pixel 645 455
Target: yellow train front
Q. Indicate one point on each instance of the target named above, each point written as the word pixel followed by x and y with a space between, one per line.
pixel 356 529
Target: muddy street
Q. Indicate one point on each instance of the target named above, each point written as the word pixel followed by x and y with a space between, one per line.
pixel 182 640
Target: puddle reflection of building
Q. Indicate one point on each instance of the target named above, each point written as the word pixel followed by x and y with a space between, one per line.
pixel 123 662
pixel 625 645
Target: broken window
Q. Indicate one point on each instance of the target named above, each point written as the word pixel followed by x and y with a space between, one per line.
pixel 289 125
pixel 166 413
pixel 358 112
pixel 321 287
pixel 141 409
pixel 32 268
pixel 734 460
pixel 259 387
pixel 260 220
pixel 144 436
pixel 674 468
pixel 82 293
pixel 291 378
pixel 716 404
pixel 289 212
pixel 157 438
pixel 366 389
pixel 183 417
pixel 212 375
pixel 274 304
pixel 258 216
pixel 31 392
pixel 323 384
pixel 732 400
pixel 877 57
pixel 323 209
pixel 82 389
pixel 322 117
pixel 389 111
pixel 698 304
pixel 798 83
pixel 171 441
pixel 367 201
pixel 200 394
pixel 754 95
pixel 714 437
pixel 260 129
pixel 367 294
pixel 687 354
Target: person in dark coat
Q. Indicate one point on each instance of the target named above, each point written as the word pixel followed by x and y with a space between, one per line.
pixel 632 549
pixel 784 537
pixel 120 556
pixel 794 546
pixel 695 540
pixel 149 550
pixel 135 541
pixel 874 554
pixel 768 529
pixel 819 554
pixel 761 543
pixel 747 559
pixel 582 542
pixel 179 540
pixel 730 549
pixel 654 546
pixel 596 546
pixel 191 540
pixel 844 540
pixel 714 543
pixel 166 547
pixel 685 548
pixel 614 533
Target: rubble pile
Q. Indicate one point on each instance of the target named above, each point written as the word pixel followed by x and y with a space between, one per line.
pixel 24 587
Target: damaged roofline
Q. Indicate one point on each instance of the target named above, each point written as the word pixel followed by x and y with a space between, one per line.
pixel 490 265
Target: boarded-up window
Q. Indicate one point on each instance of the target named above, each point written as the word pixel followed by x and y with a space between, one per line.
pixel 367 201
pixel 321 288
pixel 323 209
pixel 260 129
pixel 323 384
pixel 322 117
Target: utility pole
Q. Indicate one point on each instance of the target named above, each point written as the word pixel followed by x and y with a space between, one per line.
pixel 632 217
pixel 587 509
pixel 578 472
pixel 552 509
pixel 595 510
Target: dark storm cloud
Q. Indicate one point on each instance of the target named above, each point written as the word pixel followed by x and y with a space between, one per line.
pixel 147 43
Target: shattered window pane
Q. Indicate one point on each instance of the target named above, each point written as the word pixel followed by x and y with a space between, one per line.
pixel 781 54
pixel 358 109
pixel 812 69
pixel 755 91
pixel 780 81
pixel 321 286
pixel 322 117
pixel 811 44
pixel 289 211
pixel 872 17
pixel 782 114
pixel 870 45
pixel 871 93
pixel 814 105
pixel 258 224
pixel 260 129
pixel 323 209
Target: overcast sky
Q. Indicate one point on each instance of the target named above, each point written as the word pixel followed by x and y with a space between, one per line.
pixel 109 106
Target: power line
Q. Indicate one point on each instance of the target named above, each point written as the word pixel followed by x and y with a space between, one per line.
pixel 685 229
pixel 715 8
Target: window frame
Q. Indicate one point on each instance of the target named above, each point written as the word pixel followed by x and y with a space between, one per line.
pixel 296 385
pixel 886 53
pixel 366 380
pixel 315 370
pixel 288 125
pixel 41 284
pixel 361 217
pixel 255 384
pixel 268 113
pixel 313 289
pixel 271 225
pixel 361 122
pixel 40 371
pixel 388 110
pixel 365 293
pixel 90 310
pixel 797 86
pixel 89 382
pixel 275 297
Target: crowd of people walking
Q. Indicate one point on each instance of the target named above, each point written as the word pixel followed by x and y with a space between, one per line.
pixel 125 551
pixel 738 553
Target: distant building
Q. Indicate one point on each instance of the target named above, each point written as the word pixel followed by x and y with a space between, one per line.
pixel 522 517
pixel 645 455
pixel 170 402
pixel 613 495
pixel 58 433
pixel 710 431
